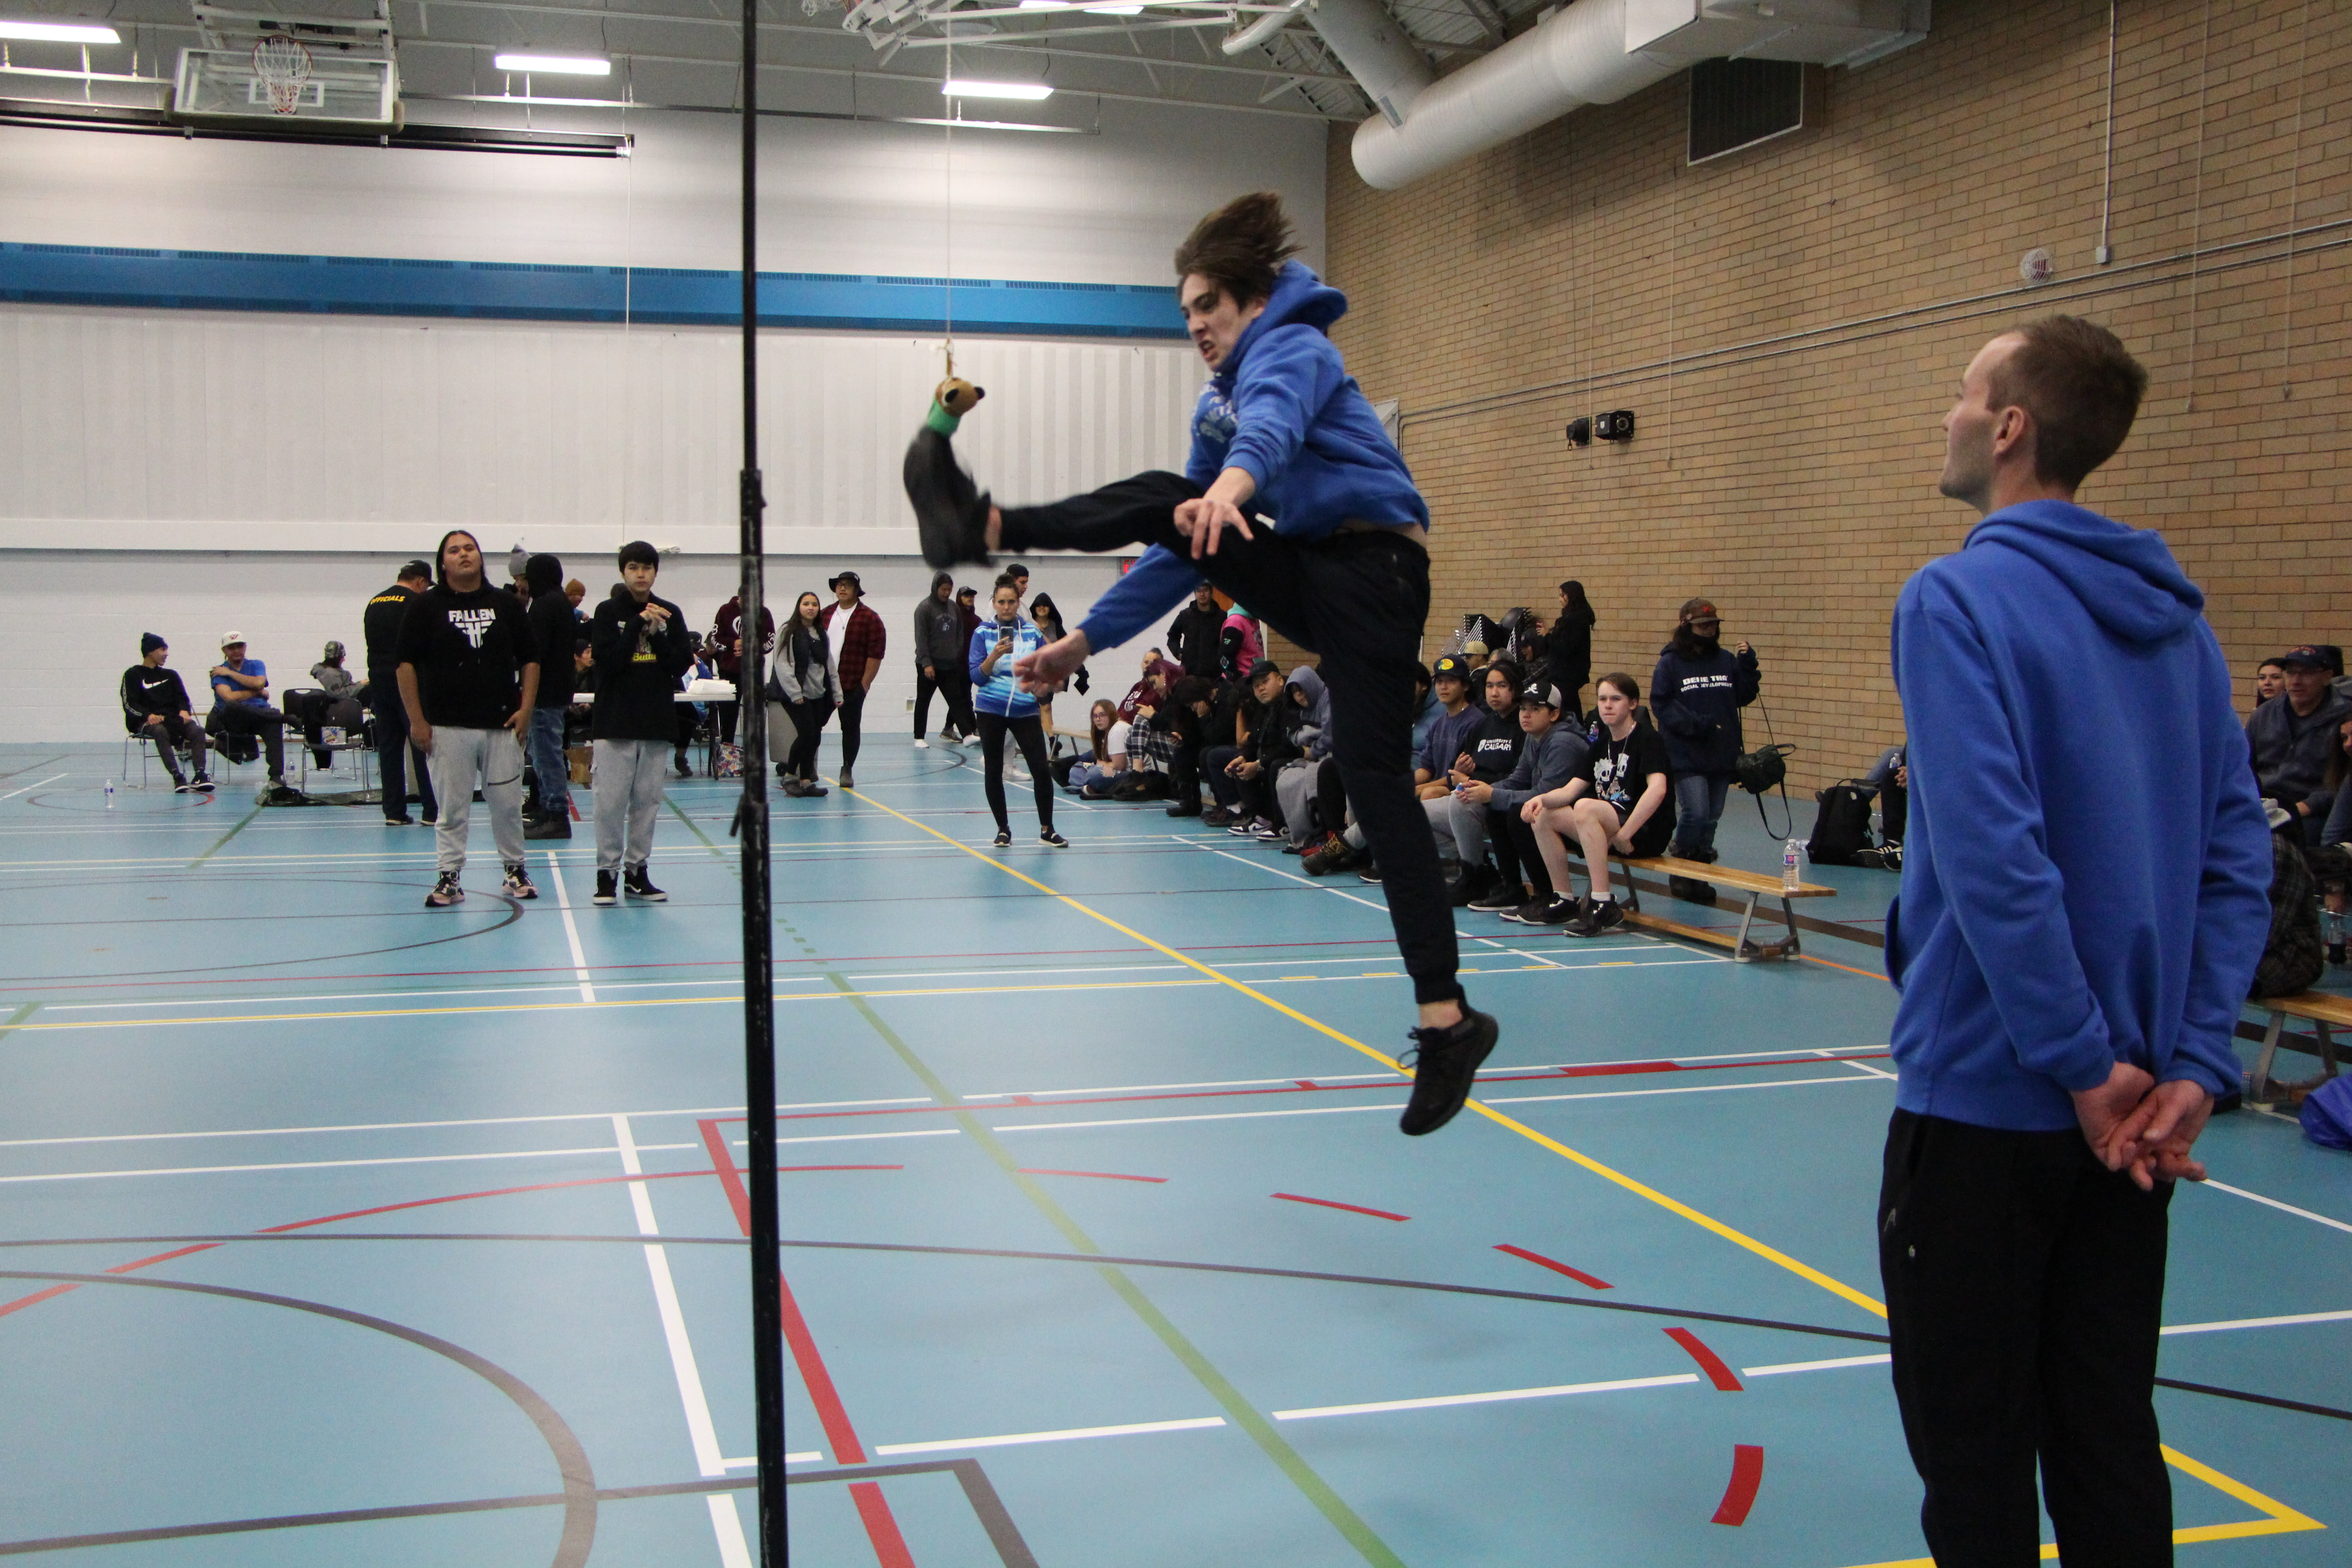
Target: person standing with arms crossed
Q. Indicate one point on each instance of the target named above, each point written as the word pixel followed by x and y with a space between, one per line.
pixel 1295 502
pixel 641 649
pixel 2086 894
pixel 468 676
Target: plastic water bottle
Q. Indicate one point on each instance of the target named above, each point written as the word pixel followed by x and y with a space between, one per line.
pixel 2332 925
pixel 1791 855
pixel 109 794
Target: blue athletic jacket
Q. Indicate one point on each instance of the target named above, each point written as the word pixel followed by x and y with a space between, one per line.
pixel 996 693
pixel 1283 407
pixel 2086 879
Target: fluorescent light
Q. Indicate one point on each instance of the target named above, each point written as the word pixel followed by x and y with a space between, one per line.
pixel 959 87
pixel 60 32
pixel 1116 10
pixel 554 65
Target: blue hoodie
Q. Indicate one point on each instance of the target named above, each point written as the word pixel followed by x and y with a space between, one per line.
pixel 2087 875
pixel 1284 408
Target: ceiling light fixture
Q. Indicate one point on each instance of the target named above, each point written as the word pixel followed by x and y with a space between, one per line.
pixel 554 65
pixel 960 86
pixel 60 32
pixel 1116 10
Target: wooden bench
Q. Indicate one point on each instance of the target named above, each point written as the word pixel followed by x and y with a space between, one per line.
pixel 2320 1009
pixel 1750 882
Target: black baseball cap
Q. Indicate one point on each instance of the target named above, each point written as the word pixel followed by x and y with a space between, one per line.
pixel 1540 694
pixel 413 569
pixel 2305 655
pixel 1449 668
pixel 1263 667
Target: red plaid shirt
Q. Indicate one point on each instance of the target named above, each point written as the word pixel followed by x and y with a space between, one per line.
pixel 864 639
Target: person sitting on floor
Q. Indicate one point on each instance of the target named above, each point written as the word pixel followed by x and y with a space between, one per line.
pixel 1238 773
pixel 1169 739
pixel 241 707
pixel 1554 753
pixel 156 705
pixel 1105 761
pixel 1621 804
pixel 1298 785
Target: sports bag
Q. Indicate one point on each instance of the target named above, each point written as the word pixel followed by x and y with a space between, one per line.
pixel 2326 1114
pixel 1843 824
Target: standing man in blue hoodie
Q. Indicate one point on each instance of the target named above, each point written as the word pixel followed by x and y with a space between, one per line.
pixel 1295 502
pixel 2071 952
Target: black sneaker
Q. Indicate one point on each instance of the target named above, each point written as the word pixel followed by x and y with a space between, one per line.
pixel 811 790
pixel 608 888
pixel 1598 917
pixel 430 819
pixel 1506 896
pixel 1545 911
pixel 1004 837
pixel 181 787
pixel 517 883
pixel 685 768
pixel 444 892
pixel 1444 1065
pixel 1053 840
pixel 1192 808
pixel 1265 832
pixel 641 887
pixel 1371 873
pixel 401 821
pixel 951 514
pixel 845 781
pixel 203 783
pixel 548 827
pixel 1690 890
pixel 283 794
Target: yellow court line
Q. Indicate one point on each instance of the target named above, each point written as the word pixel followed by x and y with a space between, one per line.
pixel 2280 1520
pixel 1770 1254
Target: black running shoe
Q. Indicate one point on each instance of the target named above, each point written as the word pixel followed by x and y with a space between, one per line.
pixel 1545 911
pixel 548 827
pixel 811 790
pixel 1189 808
pixel 1053 840
pixel 1004 837
pixel 641 887
pixel 181 787
pixel 951 514
pixel 1507 896
pixel 1371 873
pixel 608 888
pixel 1600 917
pixel 517 883
pixel 283 794
pixel 1444 1065
pixel 847 781
pixel 1690 890
pixel 445 892
pixel 203 783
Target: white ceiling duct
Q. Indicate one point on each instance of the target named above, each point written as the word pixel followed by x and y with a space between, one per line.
pixel 1599 51
pixel 1378 52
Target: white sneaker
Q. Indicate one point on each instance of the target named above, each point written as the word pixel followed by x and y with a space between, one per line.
pixel 922 745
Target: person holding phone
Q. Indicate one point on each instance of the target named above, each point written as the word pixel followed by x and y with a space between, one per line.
pixel 1000 708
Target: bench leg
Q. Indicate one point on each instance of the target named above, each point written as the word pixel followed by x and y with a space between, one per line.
pixel 1790 946
pixel 2326 1050
pixel 1621 882
pixel 2258 1081
pixel 1740 952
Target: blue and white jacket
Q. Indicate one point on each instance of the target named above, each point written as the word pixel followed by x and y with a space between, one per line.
pixel 996 692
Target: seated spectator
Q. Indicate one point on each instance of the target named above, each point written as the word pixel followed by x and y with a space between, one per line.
pixel 1446 740
pixel 1554 753
pixel 575 594
pixel 1298 785
pixel 1239 776
pixel 1167 738
pixel 336 706
pixel 155 707
pixel 1620 803
pixel 1489 753
pixel 1103 761
pixel 241 707
pixel 1888 783
pixel 2290 737
pixel 1426 708
pixel 2270 679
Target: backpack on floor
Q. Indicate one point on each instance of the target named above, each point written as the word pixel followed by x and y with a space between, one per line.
pixel 2293 957
pixel 731 761
pixel 1843 824
pixel 2326 1114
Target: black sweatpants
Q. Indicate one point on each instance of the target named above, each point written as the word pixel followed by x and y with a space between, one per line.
pixel 1028 732
pixel 852 710
pixel 2024 1287
pixel 1330 798
pixel 1519 838
pixel 924 687
pixel 1359 600
pixel 260 720
pixel 808 728
pixel 392 753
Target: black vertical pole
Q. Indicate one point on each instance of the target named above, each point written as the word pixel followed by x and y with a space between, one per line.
pixel 759 990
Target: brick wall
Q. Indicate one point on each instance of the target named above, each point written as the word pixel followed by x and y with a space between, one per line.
pixel 1789 324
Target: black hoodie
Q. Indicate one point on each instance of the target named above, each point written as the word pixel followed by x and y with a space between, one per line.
pixel 637 669
pixel 554 627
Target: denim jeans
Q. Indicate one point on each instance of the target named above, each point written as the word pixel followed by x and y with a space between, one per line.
pixel 1698 807
pixel 547 760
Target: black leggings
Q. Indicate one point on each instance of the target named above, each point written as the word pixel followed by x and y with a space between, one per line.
pixel 852 710
pixel 1029 733
pixel 808 728
pixel 1359 599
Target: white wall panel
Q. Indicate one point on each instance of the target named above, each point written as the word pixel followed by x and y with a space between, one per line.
pixel 177 430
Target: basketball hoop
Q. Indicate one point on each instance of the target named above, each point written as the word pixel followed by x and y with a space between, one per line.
pixel 283 63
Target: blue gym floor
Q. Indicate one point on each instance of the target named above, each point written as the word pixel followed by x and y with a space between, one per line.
pixel 322 1242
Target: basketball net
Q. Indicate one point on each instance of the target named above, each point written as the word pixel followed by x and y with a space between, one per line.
pixel 283 63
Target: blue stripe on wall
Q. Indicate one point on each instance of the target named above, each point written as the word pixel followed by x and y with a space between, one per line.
pixel 377 286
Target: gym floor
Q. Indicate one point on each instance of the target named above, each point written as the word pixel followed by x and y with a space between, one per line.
pixel 335 1229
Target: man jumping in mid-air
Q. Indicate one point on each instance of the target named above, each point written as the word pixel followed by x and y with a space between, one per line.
pixel 1283 438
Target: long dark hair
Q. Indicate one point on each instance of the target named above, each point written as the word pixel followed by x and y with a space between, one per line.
pixel 1043 610
pixel 1687 643
pixel 1508 671
pixel 1240 247
pixel 1577 603
pixel 440 553
pixel 806 638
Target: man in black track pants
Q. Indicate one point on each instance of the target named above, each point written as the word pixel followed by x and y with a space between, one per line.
pixel 1340 567
pixel 393 750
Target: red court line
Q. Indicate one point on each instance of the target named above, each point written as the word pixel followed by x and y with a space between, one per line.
pixel 1555 1265
pixel 1722 1376
pixel 873 1510
pixel 1099 1175
pixel 1351 1208
pixel 1747 1475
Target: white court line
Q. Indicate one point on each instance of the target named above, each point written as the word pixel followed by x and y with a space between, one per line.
pixel 699 1427
pixel 1155 1121
pixel 1071 1434
pixel 322 1165
pixel 436 993
pixel 1444 1401
pixel 865 1137
pixel 2273 1202
pixel 754 1462
pixel 1789 1366
pixel 2232 1323
pixel 727 1524
pixel 458 1121
pixel 30 787
pixel 572 934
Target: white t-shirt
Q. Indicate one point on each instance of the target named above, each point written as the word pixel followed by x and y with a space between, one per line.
pixel 1115 743
pixel 834 634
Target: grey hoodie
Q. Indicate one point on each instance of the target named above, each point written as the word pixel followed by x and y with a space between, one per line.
pixel 938 642
pixel 1546 762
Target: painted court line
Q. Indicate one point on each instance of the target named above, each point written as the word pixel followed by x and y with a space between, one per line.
pixel 340 1164
pixel 1783 1368
pixel 571 929
pixel 2272 1203
pixel 1072 1435
pixel 36 785
pixel 1446 1401
pixel 699 1430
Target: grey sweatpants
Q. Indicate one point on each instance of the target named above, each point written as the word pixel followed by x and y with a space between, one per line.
pixel 628 797
pixel 461 759
pixel 1460 827
pixel 1294 790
